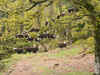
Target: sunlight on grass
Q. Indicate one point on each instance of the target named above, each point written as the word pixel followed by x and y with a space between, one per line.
pixel 1 74
pixel 66 52
pixel 79 73
pixel 62 53
pixel 14 59
pixel 51 72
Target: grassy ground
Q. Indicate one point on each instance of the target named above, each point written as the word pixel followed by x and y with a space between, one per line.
pixel 14 58
pixel 58 54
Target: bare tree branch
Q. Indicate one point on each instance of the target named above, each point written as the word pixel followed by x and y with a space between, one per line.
pixel 35 4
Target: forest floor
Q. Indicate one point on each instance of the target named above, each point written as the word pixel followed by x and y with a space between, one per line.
pixel 55 62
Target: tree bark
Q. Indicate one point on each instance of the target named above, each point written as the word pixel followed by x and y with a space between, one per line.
pixel 96 24
pixel 97 49
pixel 21 28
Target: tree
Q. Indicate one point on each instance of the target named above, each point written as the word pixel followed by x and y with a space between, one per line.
pixel 18 13
pixel 94 16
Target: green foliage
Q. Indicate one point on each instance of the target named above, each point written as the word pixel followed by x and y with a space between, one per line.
pixel 18 20
pixel 87 44
pixel 76 26
pixel 23 44
pixel 79 25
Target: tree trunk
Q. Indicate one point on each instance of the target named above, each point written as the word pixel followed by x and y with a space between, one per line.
pixel 91 9
pixel 21 28
pixel 96 24
pixel 97 49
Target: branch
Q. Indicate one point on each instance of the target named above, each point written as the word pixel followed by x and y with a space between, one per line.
pixel 50 3
pixel 84 3
pixel 35 4
pixel 3 14
pixel 73 19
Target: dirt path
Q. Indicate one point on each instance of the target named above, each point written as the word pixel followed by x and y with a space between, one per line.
pixel 45 65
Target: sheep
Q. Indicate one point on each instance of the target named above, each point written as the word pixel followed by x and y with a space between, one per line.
pixel 19 36
pixel 25 34
pixel 37 39
pixel 73 9
pixel 22 35
pixel 52 36
pixel 62 44
pixel 34 30
pixel 46 35
pixel 46 23
pixel 31 49
pixel 26 49
pixel 42 36
pixel 30 39
pixel 18 50
pixel 61 15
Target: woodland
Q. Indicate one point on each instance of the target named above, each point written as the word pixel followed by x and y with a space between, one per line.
pixel 40 26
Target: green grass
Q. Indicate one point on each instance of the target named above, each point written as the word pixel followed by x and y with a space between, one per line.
pixel 66 52
pixel 13 59
pixel 62 53
pixel 79 73
pixel 47 71
pixel 1 74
